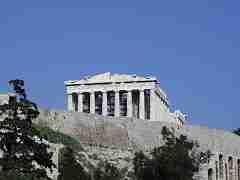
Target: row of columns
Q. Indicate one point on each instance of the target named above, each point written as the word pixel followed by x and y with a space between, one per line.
pixel 224 169
pixel 104 103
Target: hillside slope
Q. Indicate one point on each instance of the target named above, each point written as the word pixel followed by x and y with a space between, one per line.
pixel 130 133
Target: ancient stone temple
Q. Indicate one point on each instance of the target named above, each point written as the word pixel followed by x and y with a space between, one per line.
pixel 121 95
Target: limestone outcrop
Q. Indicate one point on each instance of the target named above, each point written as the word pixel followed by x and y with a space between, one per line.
pixel 129 135
pixel 133 133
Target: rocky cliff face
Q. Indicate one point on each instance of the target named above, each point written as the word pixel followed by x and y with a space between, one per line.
pixel 129 133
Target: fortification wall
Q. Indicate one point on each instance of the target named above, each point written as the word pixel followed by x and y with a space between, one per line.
pixel 128 132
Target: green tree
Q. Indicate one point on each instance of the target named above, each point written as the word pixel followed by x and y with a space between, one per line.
pixel 143 167
pixel 107 171
pixel 177 159
pixel 237 131
pixel 24 151
pixel 69 168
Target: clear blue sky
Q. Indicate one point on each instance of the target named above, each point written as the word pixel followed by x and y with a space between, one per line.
pixel 192 46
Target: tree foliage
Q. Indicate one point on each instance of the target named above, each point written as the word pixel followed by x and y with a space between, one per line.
pixel 107 171
pixel 177 159
pixel 143 167
pixel 24 152
pixel 69 168
pixel 237 131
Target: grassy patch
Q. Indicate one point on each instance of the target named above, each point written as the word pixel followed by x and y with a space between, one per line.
pixel 59 138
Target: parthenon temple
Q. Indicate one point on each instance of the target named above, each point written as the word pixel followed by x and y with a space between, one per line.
pixel 121 95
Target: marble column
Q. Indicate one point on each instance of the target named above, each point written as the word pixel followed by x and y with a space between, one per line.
pixel 92 102
pixel 129 104
pixel 117 105
pixel 224 170
pixel 80 102
pixel 104 103
pixel 152 105
pixel 70 102
pixel 142 105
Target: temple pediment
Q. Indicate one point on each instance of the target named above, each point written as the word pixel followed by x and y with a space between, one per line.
pixel 110 78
